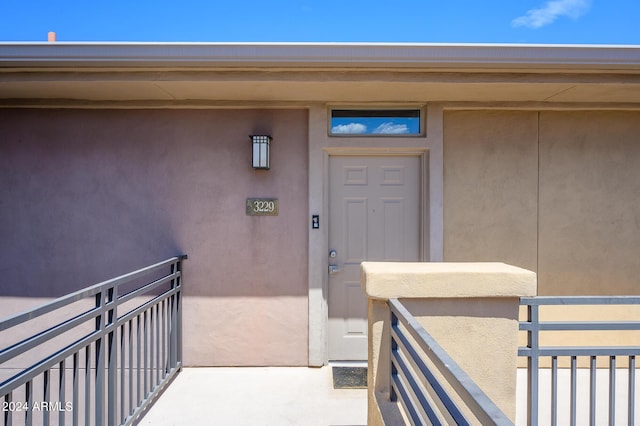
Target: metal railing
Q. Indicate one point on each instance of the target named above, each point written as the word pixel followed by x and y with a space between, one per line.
pixel 534 351
pixel 97 356
pixel 424 389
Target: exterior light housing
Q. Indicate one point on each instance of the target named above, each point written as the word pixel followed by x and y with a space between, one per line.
pixel 261 145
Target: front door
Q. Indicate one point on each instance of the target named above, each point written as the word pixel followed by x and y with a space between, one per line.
pixel 374 214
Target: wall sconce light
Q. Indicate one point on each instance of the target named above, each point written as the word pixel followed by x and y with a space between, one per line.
pixel 261 155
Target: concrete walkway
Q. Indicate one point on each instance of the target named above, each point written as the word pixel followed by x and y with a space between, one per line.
pixel 257 396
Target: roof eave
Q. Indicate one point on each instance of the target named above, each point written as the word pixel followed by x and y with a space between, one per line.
pixel 319 55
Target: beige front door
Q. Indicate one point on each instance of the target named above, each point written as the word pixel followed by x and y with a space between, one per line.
pixel 374 214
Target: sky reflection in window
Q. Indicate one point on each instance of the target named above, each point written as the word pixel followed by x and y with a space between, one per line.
pixel 375 122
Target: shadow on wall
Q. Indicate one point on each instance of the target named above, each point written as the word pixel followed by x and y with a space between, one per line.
pixel 87 195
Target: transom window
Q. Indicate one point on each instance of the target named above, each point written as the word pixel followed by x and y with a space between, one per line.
pixel 384 122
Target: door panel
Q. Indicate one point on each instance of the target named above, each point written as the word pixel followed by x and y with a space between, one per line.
pixel 374 214
pixel 393 211
pixel 355 220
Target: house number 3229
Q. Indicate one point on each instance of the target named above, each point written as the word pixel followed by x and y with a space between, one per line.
pixel 262 207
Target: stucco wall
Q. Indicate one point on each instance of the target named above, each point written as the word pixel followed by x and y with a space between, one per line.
pixel 490 187
pixel 554 192
pixel 86 195
pixel 589 203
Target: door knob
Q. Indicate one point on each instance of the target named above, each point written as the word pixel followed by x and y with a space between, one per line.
pixel 333 268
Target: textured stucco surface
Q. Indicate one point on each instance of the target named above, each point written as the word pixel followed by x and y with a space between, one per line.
pixel 554 192
pixel 481 335
pixel 387 280
pixel 589 203
pixel 490 187
pixel 86 195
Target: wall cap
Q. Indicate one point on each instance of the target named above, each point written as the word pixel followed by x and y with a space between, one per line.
pixel 385 280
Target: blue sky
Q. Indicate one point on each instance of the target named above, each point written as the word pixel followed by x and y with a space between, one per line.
pixel 442 21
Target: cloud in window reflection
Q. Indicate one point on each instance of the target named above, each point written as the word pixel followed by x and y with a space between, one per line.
pixel 390 128
pixel 351 128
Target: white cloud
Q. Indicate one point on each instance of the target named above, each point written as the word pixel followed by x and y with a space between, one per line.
pixel 391 129
pixel 536 18
pixel 350 128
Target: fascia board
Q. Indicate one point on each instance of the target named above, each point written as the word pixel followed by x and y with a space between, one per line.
pixel 320 55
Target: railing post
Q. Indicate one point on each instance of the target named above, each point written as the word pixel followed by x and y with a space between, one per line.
pixel 471 309
pixel 112 356
pixel 533 363
pixel 8 414
pixel 179 312
pixel 99 373
pixel 173 351
pixel 632 389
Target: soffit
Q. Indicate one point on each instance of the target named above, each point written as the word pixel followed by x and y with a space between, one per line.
pixel 455 88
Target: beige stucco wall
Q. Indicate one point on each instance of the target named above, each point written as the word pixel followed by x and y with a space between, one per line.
pixel 86 195
pixel 490 187
pixel 589 203
pixel 554 192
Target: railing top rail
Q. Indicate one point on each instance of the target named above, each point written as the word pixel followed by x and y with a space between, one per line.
pixel 457 376
pixel 580 351
pixel 46 308
pixel 46 363
pixel 579 300
pixel 581 325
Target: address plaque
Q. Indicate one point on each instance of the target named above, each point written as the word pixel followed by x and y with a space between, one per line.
pixel 262 207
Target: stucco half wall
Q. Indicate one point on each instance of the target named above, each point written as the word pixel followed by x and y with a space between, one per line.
pixel 86 195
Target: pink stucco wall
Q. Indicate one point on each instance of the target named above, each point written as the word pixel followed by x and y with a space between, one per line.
pixel 86 195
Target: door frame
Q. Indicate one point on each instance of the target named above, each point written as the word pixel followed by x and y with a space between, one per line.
pixel 428 147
